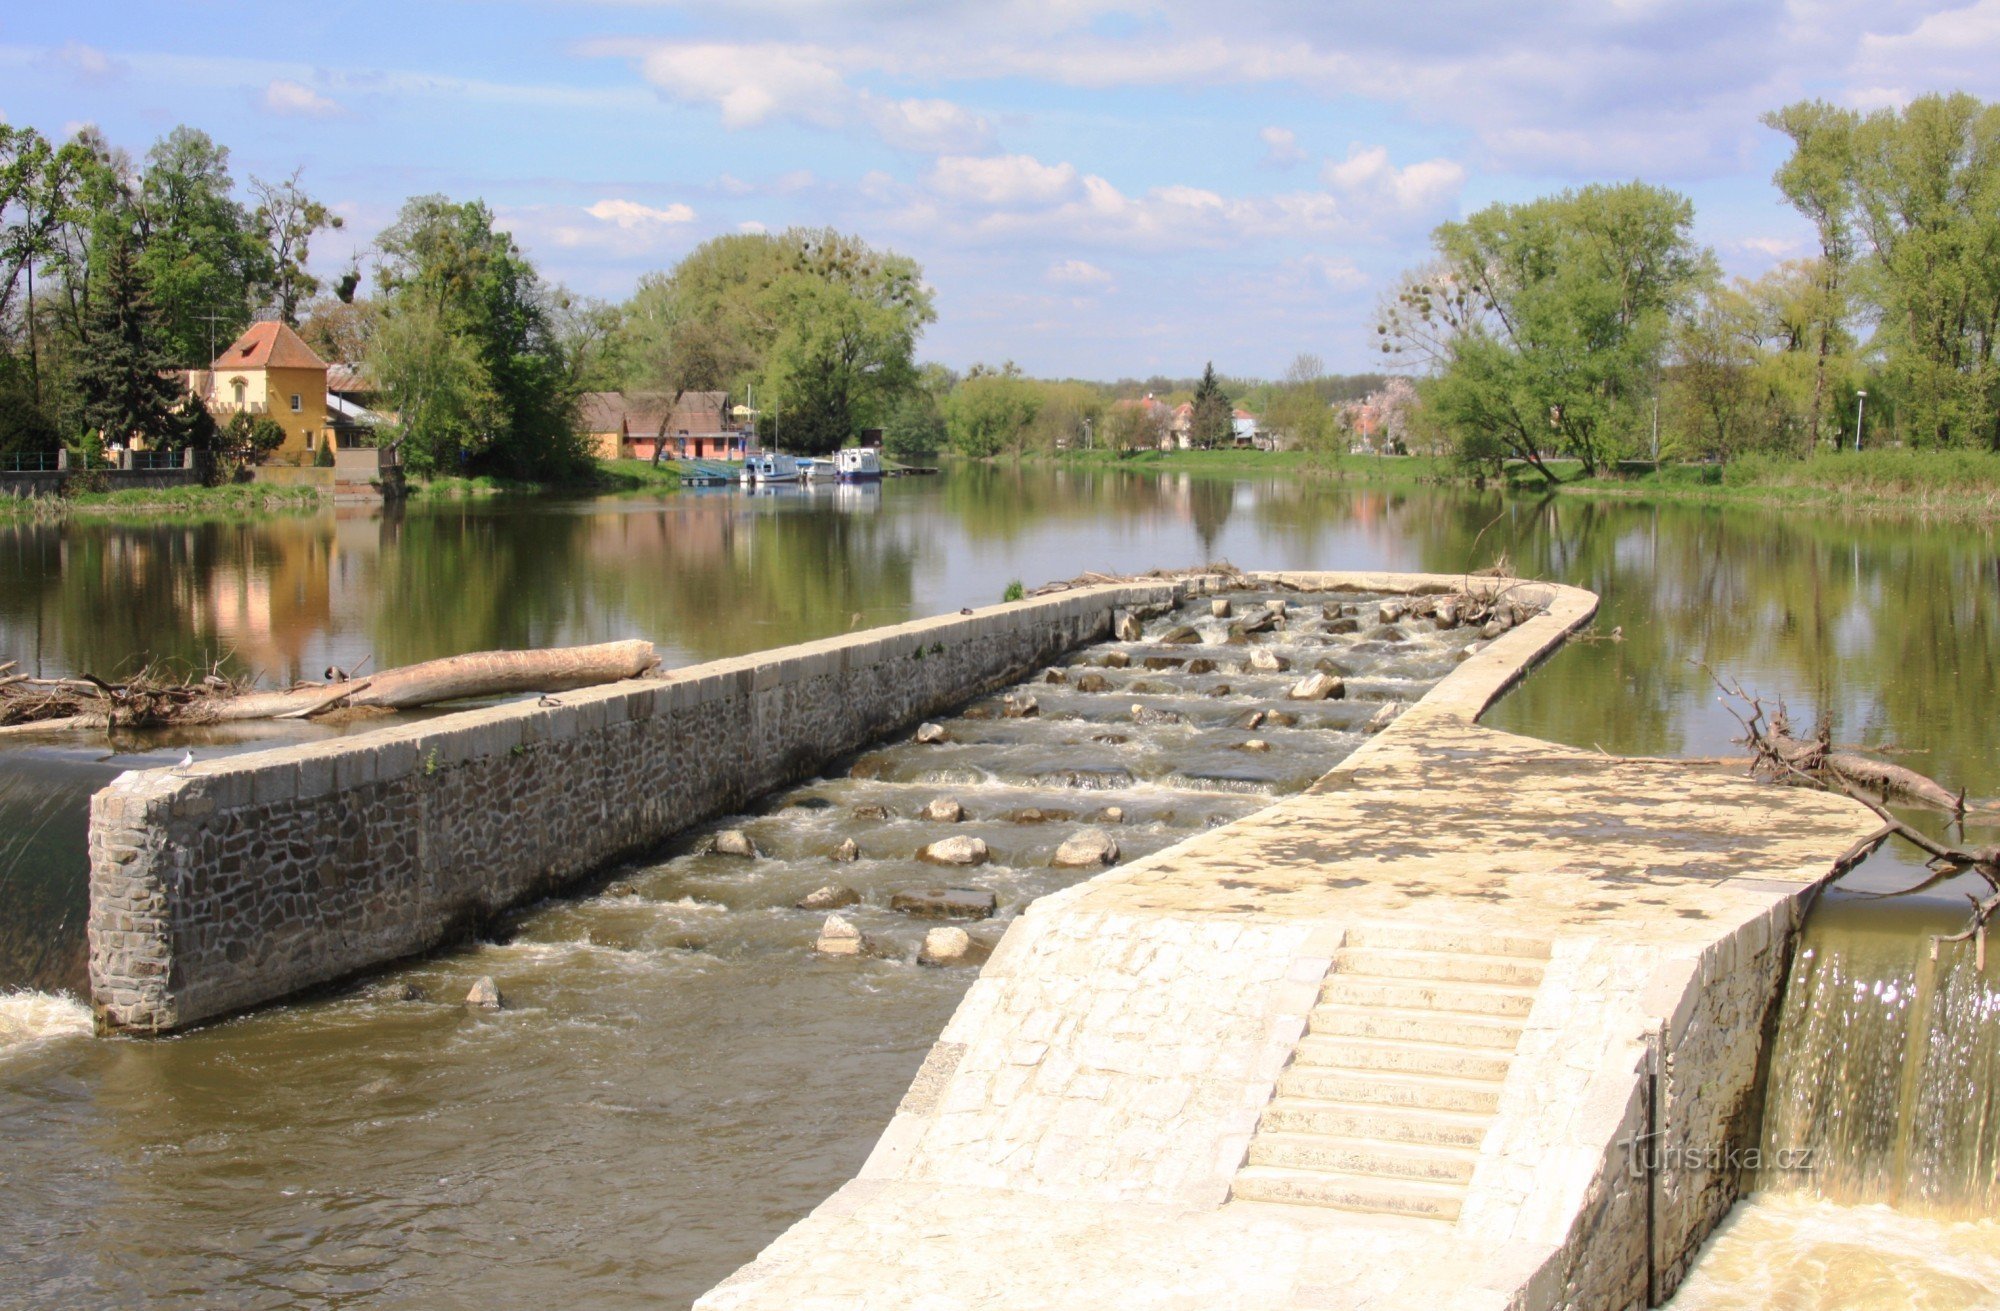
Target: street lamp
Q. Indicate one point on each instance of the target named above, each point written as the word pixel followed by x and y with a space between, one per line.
pixel 1860 411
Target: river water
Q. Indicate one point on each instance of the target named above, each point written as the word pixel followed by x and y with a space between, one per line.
pixel 675 1079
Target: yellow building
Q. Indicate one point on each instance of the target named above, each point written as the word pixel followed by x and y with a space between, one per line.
pixel 270 370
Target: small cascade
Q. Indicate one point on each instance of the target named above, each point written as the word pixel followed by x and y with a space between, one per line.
pixel 1881 1142
pixel 1886 1068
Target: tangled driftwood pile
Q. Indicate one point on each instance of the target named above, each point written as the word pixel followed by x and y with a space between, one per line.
pixel 153 699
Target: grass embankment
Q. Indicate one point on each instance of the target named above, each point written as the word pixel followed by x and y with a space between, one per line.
pixel 603 477
pixel 1958 484
pixel 230 500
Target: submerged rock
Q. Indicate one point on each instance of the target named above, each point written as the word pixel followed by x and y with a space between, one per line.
pixel 839 937
pixel 1201 665
pixel 945 903
pixel 1317 686
pixel 931 734
pixel 1055 676
pixel 1281 719
pixel 1248 720
pixel 1268 661
pixel 1085 849
pixel 1035 815
pixel 1219 607
pixel 1114 814
pixel 1165 662
pixel 1117 660
pixel 1495 627
pixel 870 812
pixel 831 897
pixel 485 995
pixel 732 842
pixel 944 810
pixel 1384 717
pixel 1021 705
pixel 1340 627
pixel 847 852
pixel 1257 744
pixel 1092 683
pixel 1220 689
pixel 1147 715
pixel 620 888
pixel 1447 614
pixel 1125 626
pixel 955 851
pixel 945 945
pixel 1390 611
pixel 1181 635
pixel 1328 665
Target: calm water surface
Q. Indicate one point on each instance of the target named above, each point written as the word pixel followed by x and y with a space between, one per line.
pixel 677 1082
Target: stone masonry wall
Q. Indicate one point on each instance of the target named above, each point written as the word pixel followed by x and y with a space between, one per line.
pixel 237 881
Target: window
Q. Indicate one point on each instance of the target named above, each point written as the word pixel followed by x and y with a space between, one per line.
pixel 238 387
pixel 309 434
pixel 297 405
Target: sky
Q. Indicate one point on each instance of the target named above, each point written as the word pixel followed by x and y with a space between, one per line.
pixel 1095 188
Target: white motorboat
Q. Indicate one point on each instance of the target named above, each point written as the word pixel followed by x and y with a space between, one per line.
pixel 858 464
pixel 772 467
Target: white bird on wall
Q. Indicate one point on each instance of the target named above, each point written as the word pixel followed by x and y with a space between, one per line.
pixel 187 758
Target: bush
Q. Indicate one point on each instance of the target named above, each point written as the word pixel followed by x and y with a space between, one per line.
pixel 1014 591
pixel 323 457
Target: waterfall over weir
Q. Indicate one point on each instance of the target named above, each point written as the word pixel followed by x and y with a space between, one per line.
pixel 1884 1074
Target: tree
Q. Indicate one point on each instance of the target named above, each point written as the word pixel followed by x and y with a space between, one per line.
pixel 1297 412
pixel 129 389
pixel 1543 323
pixel 467 346
pixel 1818 181
pixel 847 319
pixel 197 247
pixel 915 429
pixel 704 326
pixel 1213 422
pixel 340 331
pixel 990 412
pixel 1927 201
pixel 286 220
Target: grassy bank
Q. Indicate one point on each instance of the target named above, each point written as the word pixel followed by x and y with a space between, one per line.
pixel 606 476
pixel 232 500
pixel 1959 484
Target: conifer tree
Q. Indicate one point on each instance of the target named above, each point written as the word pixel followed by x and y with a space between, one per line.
pixel 124 373
pixel 1212 422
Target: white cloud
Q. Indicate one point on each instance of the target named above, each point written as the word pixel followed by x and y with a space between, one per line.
pixel 633 217
pixel 1281 147
pixel 1771 247
pixel 1367 176
pixel 752 226
pixel 1003 181
pixel 87 62
pixel 284 96
pixel 1078 273
pixel 1339 274
pixel 753 84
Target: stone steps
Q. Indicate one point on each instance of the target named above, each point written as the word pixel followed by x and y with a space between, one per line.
pixel 1342 1052
pixel 1378 1088
pixel 1498 1033
pixel 1431 1162
pixel 1395 1083
pixel 1394 1124
pixel 1427 995
pixel 1348 1192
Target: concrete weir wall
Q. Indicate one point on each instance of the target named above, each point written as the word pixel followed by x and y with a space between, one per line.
pixel 1401 1041
pixel 237 881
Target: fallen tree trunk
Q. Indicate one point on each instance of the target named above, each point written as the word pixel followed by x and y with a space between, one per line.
pixel 454 678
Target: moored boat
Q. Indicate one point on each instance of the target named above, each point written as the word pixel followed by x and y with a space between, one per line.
pixel 858 464
pixel 772 467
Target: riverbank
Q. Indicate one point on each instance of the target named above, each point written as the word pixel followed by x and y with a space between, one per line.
pixel 1948 484
pixel 607 477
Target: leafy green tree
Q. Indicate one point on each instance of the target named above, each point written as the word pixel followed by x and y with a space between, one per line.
pixel 458 295
pixel 1543 324
pixel 129 389
pixel 1818 181
pixel 24 424
pixel 1297 411
pixel 989 413
pixel 1927 201
pixel 915 429
pixel 197 247
pixel 247 440
pixel 703 326
pixel 847 318
pixel 286 220
pixel 1212 423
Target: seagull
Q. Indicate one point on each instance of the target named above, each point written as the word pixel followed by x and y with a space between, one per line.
pixel 187 758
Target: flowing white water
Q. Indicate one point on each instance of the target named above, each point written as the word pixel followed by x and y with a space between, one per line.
pixel 34 1017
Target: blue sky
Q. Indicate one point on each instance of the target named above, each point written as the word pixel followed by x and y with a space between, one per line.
pixel 1094 187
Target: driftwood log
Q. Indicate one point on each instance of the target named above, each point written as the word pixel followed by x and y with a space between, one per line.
pixel 91 702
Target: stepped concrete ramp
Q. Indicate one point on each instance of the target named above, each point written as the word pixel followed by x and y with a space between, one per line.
pixel 1476 1022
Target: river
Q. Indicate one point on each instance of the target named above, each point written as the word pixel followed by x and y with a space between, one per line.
pixel 676 1081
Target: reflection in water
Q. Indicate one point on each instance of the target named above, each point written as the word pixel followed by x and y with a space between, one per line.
pixel 661 1104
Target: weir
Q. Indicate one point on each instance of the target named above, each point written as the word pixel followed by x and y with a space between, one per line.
pixel 1400 1040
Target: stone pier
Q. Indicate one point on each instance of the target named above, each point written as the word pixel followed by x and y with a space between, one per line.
pixel 1402 1041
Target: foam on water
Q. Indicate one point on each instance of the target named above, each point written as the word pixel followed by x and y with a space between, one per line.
pixel 32 1017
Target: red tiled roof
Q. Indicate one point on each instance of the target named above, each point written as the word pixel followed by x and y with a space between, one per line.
pixel 268 345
